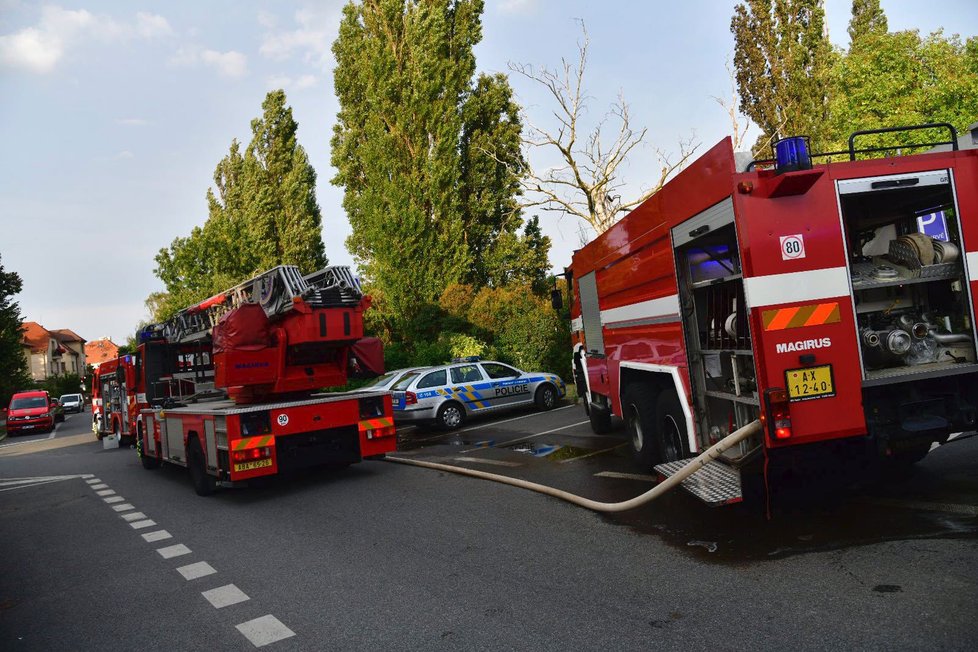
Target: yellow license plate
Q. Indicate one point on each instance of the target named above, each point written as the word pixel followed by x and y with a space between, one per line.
pixel 810 382
pixel 257 464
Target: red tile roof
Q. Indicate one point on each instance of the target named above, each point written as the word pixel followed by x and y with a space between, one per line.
pixel 67 335
pixel 36 336
pixel 98 351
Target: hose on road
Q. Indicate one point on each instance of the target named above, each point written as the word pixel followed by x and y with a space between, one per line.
pixel 663 487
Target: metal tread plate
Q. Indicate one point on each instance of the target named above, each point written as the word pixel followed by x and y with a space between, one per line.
pixel 715 483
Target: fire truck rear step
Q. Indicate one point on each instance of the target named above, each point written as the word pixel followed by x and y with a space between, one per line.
pixel 715 484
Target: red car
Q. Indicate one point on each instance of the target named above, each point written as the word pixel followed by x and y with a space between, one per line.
pixel 30 411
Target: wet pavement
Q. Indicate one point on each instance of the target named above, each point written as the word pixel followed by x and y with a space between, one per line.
pixel 938 499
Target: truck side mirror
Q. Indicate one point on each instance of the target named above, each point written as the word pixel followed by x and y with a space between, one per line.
pixel 556 299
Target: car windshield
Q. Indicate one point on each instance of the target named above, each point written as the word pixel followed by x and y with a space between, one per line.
pixel 380 381
pixel 403 383
pixel 27 403
pixel 69 398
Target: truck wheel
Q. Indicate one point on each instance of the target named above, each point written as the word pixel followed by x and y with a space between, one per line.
pixel 638 410
pixel 451 415
pixel 671 433
pixel 546 396
pixel 204 484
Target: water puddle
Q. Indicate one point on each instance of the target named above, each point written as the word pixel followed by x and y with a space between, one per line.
pixel 553 452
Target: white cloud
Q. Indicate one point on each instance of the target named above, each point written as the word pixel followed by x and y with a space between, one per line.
pixel 229 64
pixel 316 29
pixel 39 48
pixel 232 63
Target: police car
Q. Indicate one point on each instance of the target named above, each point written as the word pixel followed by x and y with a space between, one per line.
pixel 449 394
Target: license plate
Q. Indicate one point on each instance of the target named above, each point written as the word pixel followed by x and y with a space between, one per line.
pixel 257 464
pixel 28 427
pixel 810 382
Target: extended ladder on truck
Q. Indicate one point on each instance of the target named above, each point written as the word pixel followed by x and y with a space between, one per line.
pixel 255 357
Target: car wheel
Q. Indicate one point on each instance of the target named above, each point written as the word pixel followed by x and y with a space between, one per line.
pixel 451 415
pixel 638 411
pixel 671 432
pixel 204 484
pixel 546 396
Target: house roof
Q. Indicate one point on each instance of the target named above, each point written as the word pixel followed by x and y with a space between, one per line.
pixel 67 335
pixel 98 351
pixel 36 336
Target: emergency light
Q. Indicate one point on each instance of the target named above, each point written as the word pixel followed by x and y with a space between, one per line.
pixel 791 154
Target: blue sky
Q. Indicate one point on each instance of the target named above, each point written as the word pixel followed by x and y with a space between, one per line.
pixel 113 116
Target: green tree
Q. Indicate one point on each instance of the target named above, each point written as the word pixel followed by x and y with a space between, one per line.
pixel 429 159
pixel 782 59
pixel 867 19
pixel 898 79
pixel 264 213
pixel 13 365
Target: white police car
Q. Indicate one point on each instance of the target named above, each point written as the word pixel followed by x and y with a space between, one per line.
pixel 448 394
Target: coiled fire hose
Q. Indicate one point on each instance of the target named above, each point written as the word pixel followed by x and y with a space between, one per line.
pixel 694 465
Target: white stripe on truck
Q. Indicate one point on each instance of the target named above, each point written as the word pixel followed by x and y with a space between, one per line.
pixel 813 285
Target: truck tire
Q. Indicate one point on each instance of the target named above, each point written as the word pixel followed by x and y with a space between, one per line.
pixel 546 396
pixel 638 409
pixel 671 435
pixel 204 484
pixel 451 415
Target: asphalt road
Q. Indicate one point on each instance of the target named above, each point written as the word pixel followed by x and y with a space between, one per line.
pixel 385 556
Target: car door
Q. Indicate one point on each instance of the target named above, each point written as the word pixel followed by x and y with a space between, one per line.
pixel 510 387
pixel 470 386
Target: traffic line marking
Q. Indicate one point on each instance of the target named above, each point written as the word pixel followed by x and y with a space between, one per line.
pixel 265 630
pixel 477 460
pixel 173 551
pixel 135 516
pixel 93 481
pixel 100 486
pixel 592 454
pixel 539 434
pixel 139 525
pixel 87 475
pixel 627 476
pixel 114 499
pixel 123 507
pixel 225 596
pixel 194 571
pixel 21 483
pixel 105 492
pixel 159 535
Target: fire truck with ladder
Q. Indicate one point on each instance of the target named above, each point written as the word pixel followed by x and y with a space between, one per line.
pixel 230 387
pixel 833 301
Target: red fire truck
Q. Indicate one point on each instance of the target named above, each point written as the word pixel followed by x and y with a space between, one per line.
pixel 833 301
pixel 118 396
pixel 229 387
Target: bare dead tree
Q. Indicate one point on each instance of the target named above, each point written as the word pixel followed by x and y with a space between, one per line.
pixel 587 183
pixel 738 134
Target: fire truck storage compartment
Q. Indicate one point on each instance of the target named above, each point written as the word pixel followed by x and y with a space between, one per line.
pixel 714 315
pixel 335 446
pixel 905 258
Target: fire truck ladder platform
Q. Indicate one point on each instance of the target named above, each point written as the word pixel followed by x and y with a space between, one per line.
pixel 715 484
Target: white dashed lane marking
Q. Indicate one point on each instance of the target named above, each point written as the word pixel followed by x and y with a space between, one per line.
pixel 173 551
pixel 100 486
pixel 134 516
pixel 159 535
pixel 105 492
pixel 194 571
pixel 93 481
pixel 139 525
pixel 225 596
pixel 114 499
pixel 265 630
pixel 123 507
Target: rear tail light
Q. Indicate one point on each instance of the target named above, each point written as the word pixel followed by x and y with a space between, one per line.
pixel 410 398
pixel 251 454
pixel 776 416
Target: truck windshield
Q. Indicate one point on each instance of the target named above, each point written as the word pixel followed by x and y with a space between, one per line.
pixel 27 403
